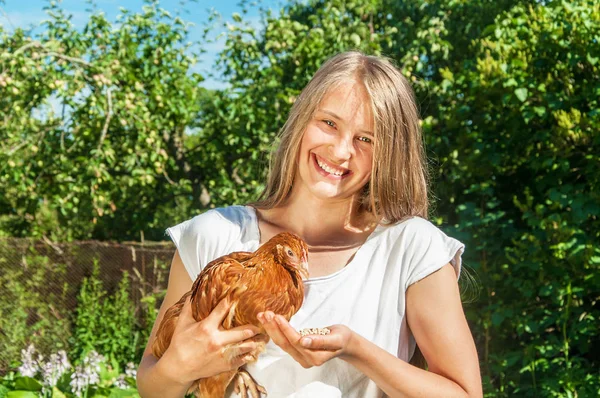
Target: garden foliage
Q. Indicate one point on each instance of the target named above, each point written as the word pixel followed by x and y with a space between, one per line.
pixel 94 122
pixel 103 321
pixel 508 92
pixel 106 324
pixel 51 351
pixel 514 121
pixel 56 377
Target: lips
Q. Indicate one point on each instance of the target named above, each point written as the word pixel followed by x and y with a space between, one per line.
pixel 329 170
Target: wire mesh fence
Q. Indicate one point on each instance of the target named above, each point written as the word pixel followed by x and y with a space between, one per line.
pixel 56 271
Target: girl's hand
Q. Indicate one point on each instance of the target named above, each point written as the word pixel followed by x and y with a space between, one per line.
pixel 204 349
pixel 308 351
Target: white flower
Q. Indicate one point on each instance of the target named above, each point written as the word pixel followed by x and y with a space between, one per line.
pixel 78 381
pixel 29 366
pixel 93 360
pixel 131 370
pixel 121 383
pixel 55 368
pixel 86 374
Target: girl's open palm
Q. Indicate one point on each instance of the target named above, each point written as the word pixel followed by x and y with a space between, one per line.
pixel 311 350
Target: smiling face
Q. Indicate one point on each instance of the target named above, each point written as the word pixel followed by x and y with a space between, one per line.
pixel 336 152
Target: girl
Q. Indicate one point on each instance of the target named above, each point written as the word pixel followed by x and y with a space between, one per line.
pixel 349 177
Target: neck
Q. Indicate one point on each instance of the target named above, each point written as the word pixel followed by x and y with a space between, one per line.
pixel 322 220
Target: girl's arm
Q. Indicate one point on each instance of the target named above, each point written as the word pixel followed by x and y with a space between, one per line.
pixel 437 321
pixel 436 318
pixel 158 378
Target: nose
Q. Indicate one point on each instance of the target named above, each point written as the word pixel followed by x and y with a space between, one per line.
pixel 341 149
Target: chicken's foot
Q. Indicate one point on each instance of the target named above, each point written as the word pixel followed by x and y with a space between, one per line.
pixel 245 384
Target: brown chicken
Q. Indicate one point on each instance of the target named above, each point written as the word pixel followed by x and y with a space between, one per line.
pixel 268 279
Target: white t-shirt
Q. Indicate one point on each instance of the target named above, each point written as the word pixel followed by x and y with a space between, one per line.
pixel 367 295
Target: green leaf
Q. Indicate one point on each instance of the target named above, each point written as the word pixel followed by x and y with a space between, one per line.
pixel 521 94
pixel 56 393
pixel 28 383
pixel 22 394
pixel 119 393
pixel 497 318
pixel 236 17
pixel 592 60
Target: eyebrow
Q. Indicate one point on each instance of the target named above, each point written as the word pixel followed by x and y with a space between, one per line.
pixel 339 118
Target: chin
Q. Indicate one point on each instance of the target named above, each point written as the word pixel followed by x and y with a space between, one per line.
pixel 331 192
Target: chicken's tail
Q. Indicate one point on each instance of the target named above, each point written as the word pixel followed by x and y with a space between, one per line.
pixel 215 386
pixel 167 327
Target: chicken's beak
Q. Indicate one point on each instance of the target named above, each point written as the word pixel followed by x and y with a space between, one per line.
pixel 304 270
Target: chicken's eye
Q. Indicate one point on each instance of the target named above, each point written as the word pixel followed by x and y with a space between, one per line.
pixel 290 253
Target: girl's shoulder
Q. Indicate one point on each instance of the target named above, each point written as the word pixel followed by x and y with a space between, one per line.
pixel 222 226
pixel 422 248
pixel 212 234
pixel 219 218
pixel 412 227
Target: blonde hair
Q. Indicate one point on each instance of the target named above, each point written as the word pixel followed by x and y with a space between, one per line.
pixel 398 185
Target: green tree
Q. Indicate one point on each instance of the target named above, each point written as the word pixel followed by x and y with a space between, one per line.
pixel 511 118
pixel 110 161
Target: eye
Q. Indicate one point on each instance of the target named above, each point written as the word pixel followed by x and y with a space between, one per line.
pixel 290 253
pixel 365 139
pixel 329 123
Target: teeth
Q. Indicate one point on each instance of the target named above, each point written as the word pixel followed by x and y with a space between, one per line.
pixel 329 169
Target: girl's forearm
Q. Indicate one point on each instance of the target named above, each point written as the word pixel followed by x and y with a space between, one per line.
pixel 396 377
pixel 156 378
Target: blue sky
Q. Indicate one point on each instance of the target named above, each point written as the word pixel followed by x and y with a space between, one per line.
pixel 24 13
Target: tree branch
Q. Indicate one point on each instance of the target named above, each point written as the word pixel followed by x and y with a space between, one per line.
pixel 16 148
pixel 37 44
pixel 52 244
pixel 108 117
pixel 34 43
pixel 67 58
pixel 168 178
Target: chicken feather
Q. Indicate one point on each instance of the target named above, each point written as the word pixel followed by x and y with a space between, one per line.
pixel 268 279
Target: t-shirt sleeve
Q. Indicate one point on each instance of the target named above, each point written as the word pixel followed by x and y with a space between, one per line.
pixel 203 239
pixel 428 249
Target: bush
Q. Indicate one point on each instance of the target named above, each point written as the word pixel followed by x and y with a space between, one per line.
pixel 107 323
pixel 30 312
pixel 34 311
